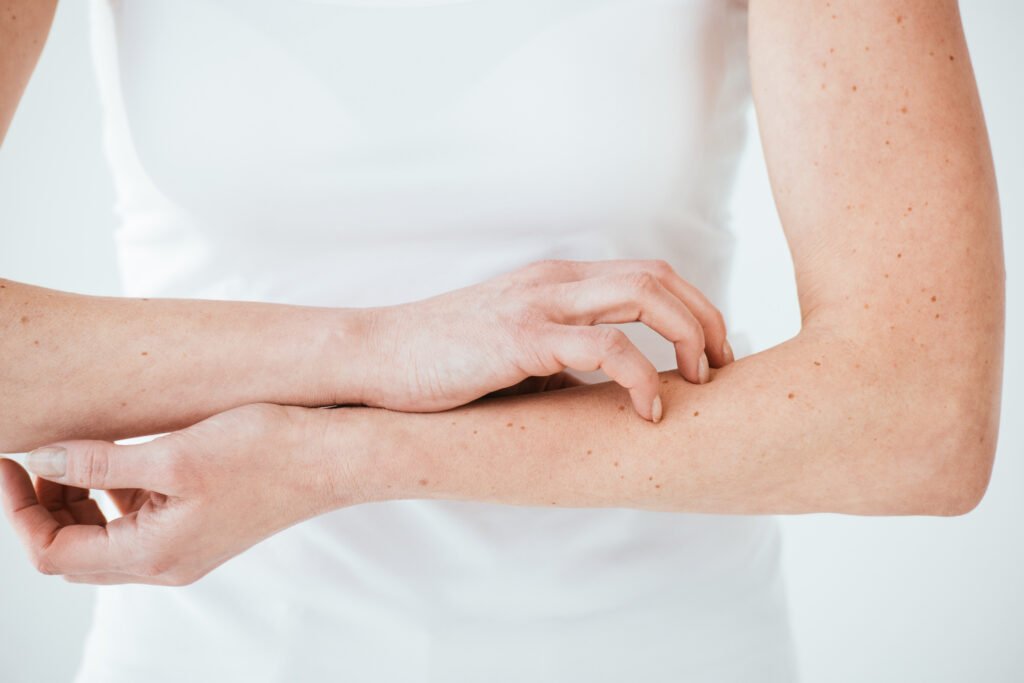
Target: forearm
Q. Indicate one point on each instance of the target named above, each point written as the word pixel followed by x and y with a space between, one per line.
pixel 108 368
pixel 814 424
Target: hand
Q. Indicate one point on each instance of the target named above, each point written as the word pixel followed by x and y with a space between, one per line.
pixel 190 500
pixel 448 350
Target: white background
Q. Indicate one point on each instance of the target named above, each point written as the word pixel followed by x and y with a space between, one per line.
pixel 886 600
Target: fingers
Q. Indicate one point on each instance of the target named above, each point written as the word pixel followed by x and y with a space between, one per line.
pixel 104 465
pixel 640 296
pixel 54 549
pixel 83 552
pixel 710 319
pixel 31 521
pixel 608 348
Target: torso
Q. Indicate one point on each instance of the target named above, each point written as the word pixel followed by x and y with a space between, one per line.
pixel 366 153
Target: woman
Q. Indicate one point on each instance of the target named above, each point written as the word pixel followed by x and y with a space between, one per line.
pixel 573 159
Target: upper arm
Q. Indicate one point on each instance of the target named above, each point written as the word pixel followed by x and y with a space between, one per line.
pixel 880 166
pixel 24 25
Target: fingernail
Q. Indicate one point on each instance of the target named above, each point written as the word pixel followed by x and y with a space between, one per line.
pixel 727 352
pixel 703 369
pixel 50 461
pixel 656 409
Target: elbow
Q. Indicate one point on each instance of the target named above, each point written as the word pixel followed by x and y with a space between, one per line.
pixel 962 492
pixel 951 476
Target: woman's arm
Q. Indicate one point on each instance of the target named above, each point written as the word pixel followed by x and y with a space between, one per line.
pixel 24 25
pixel 110 368
pixel 887 401
pixel 91 367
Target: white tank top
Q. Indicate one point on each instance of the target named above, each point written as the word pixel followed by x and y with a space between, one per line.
pixel 360 153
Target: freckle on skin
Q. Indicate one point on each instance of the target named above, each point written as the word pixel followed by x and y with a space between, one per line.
pixel 900 255
pixel 616 463
pixel 791 395
pixel 650 478
pixel 423 482
pixel 622 407
pixel 936 316
pixel 35 343
pixel 474 431
pixel 24 319
pixel 509 424
pixel 696 413
pixel 589 452
pixel 867 306
pixel 657 486
pixel 854 88
pixel 817 363
pixel 933 298
pixel 124 404
pixel 144 353
pixel 903 109
pixel 522 428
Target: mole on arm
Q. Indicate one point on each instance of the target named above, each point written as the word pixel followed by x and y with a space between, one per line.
pixel 424 482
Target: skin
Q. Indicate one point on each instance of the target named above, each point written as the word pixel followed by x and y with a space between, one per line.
pixel 534 322
pixel 886 402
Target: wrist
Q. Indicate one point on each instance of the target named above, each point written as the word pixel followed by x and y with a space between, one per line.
pixel 343 356
pixel 366 456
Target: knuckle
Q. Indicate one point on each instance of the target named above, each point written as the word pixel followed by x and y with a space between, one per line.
pixel 94 465
pixel 642 281
pixel 544 268
pixel 661 267
pixel 43 564
pixel 610 340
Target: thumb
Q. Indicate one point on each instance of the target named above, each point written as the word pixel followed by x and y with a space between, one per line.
pixel 101 465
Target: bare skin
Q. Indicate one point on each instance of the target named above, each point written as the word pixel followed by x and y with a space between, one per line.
pixel 163 364
pixel 886 402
